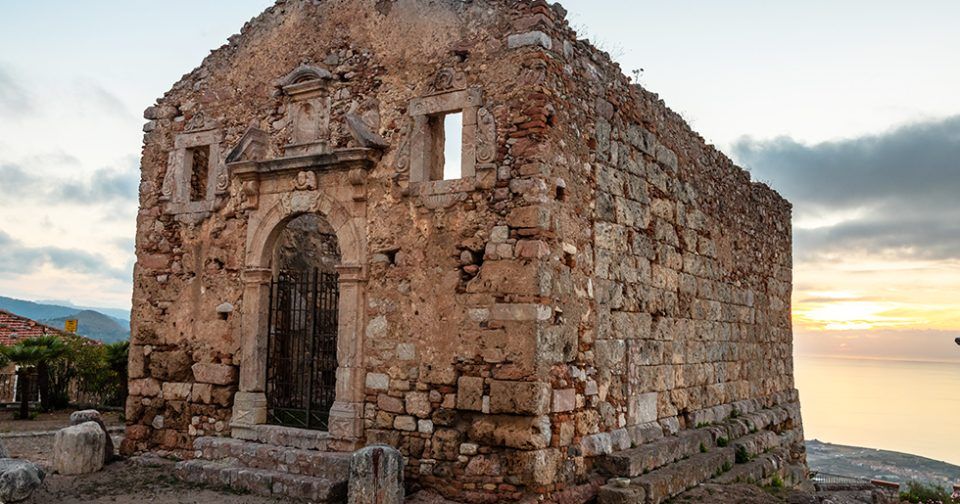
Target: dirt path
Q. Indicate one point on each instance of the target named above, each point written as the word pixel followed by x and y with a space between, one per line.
pixel 126 482
pixel 47 421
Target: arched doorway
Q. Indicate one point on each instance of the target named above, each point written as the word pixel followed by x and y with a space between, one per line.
pixel 303 322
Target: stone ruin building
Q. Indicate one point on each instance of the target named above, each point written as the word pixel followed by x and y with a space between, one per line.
pixel 453 228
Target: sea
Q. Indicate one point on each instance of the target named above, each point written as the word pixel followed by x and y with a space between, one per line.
pixel 906 406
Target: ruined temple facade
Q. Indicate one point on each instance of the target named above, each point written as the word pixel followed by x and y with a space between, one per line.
pixel 594 292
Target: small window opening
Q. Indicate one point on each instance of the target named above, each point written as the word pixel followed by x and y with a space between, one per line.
pixel 199 172
pixel 452 146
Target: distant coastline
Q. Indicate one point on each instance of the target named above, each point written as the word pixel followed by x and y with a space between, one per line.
pixel 870 463
pixel 879 358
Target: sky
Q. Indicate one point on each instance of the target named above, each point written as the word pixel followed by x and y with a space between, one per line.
pixel 849 108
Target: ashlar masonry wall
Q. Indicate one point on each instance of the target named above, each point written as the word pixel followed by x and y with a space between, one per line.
pixel 598 279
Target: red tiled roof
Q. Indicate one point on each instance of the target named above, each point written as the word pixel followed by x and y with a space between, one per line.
pixel 14 329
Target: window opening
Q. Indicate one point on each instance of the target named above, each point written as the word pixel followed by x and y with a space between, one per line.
pixel 452 146
pixel 199 172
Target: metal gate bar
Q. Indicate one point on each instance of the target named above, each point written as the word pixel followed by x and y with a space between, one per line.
pixel 302 348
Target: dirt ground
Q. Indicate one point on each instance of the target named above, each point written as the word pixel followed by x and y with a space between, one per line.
pixel 47 421
pixel 126 482
pixel 121 482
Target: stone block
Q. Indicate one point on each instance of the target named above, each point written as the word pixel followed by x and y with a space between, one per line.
pixel 596 444
pixel 79 449
pixel 519 398
pixel 529 217
pixel 532 249
pixel 378 381
pixel 524 433
pixel 405 423
pixel 470 393
pixel 176 391
pixel 214 374
pixel 418 404
pixel 536 468
pixel 147 387
pixel 520 312
pixel 564 400
pixel 533 38
pixel 376 476
pixel 390 404
pixel 642 408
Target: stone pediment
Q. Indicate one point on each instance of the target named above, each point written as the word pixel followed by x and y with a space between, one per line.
pixel 252 146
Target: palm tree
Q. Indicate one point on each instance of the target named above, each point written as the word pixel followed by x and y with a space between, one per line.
pixel 51 349
pixel 34 354
pixel 117 355
pixel 26 359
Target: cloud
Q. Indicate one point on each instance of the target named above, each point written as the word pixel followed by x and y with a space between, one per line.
pixel 96 99
pixel 17 258
pixel 918 344
pixel 892 195
pixel 14 99
pixel 102 186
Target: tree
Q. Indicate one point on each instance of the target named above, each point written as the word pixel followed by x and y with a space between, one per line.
pixel 51 349
pixel 116 358
pixel 35 354
pixel 26 359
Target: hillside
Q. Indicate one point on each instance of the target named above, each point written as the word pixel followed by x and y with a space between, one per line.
pixel 92 323
pixel 95 325
pixel 869 463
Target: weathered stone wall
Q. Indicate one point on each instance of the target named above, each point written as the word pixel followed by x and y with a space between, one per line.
pixel 602 275
pixel 671 270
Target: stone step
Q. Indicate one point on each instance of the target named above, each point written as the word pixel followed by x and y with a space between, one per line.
pixel 230 474
pixel 637 461
pixel 280 458
pixel 277 435
pixel 757 471
pixel 667 482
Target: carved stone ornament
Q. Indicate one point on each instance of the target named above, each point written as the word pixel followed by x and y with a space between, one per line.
pixel 169 186
pixel 250 192
pixel 533 72
pixel 402 163
pixel 448 79
pixel 306 181
pixel 486 137
pixel 198 121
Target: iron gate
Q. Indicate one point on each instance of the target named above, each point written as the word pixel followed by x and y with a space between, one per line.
pixel 302 348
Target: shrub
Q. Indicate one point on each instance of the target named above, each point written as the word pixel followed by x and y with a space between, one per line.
pixel 741 455
pixel 776 481
pixel 923 493
pixel 722 442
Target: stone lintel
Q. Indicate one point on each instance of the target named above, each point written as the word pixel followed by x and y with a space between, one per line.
pixel 339 159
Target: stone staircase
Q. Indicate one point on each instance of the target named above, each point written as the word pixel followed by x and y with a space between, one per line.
pixel 275 461
pixel 751 449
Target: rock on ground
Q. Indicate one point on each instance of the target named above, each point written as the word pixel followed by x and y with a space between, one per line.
pixel 84 416
pixel 18 479
pixel 79 449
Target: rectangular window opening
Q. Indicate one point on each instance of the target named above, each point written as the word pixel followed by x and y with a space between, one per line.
pixel 452 146
pixel 199 172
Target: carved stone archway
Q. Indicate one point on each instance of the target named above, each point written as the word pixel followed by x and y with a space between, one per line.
pixel 275 197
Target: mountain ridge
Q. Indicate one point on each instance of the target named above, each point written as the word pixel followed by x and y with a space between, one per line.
pixel 91 322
